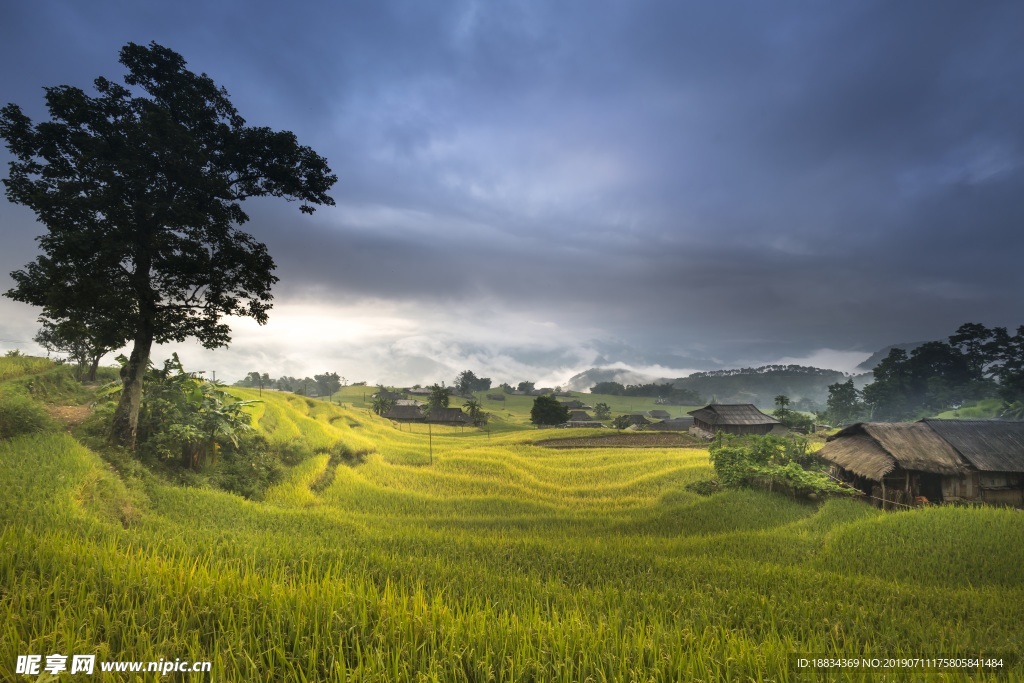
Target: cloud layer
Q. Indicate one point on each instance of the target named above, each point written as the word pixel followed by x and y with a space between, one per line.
pixel 529 186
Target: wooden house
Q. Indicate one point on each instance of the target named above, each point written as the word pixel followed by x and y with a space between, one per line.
pixel 934 460
pixel 994 451
pixel 582 424
pixel 405 413
pixel 576 404
pixel 733 418
pixel 658 414
pixel 676 424
pixel 448 416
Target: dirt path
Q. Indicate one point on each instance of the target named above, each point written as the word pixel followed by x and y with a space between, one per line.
pixel 69 416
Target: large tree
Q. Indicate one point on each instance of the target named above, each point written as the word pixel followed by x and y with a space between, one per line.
pixel 140 189
pixel 547 410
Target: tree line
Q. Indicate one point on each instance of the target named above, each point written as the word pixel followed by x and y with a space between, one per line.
pixel 976 362
pixel 666 391
pixel 324 384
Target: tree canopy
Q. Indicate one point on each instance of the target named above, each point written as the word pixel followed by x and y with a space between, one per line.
pixel 547 410
pixel 140 189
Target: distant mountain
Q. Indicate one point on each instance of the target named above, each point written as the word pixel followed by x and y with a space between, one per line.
pixel 588 378
pixel 878 356
pixel 803 385
pixel 806 387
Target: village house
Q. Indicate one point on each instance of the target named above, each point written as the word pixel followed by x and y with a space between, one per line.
pixel 448 416
pixel 658 414
pixel 932 460
pixel 405 413
pixel 582 424
pixel 734 418
pixel 676 424
pixel 576 404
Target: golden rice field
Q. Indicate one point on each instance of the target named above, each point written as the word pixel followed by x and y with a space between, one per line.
pixel 493 559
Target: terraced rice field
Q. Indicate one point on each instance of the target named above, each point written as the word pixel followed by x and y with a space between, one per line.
pixel 489 559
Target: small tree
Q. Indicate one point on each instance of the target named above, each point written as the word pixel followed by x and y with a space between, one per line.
pixel 602 411
pixel 440 396
pixel 476 412
pixel 382 404
pixel 844 403
pixel 526 387
pixel 622 421
pixel 548 411
pixel 84 341
pixel 327 383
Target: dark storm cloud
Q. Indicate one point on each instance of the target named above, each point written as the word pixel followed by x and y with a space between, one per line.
pixel 740 178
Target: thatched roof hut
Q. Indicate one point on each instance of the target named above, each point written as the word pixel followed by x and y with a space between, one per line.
pixel 658 414
pixel 874 449
pixel 940 460
pixel 580 416
pixel 576 404
pixel 676 424
pixel 733 418
pixel 405 414
pixel 449 416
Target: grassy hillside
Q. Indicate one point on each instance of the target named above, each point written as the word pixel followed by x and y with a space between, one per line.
pixel 492 559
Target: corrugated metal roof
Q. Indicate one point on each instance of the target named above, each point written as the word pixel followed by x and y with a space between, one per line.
pixel 732 414
pixel 989 445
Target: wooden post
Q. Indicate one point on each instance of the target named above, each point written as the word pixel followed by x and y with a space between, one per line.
pixel 883 492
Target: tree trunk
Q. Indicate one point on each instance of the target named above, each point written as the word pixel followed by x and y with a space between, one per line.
pixel 91 377
pixel 126 417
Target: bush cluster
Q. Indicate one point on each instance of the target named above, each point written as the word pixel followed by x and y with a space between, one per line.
pixel 771 462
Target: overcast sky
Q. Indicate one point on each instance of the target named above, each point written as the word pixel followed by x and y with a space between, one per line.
pixel 528 189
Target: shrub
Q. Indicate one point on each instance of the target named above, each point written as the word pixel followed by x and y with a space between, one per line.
pixel 293 452
pixel 21 415
pixel 248 469
pixel 769 462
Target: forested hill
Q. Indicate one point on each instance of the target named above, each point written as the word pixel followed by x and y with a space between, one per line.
pixel 878 356
pixel 803 385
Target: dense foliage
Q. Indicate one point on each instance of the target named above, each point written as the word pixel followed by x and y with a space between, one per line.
pixel 467 382
pixel 792 419
pixel 975 363
pixel 771 462
pixel 187 418
pixel 548 411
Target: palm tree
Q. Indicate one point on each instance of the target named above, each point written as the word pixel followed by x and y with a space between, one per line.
pixel 476 412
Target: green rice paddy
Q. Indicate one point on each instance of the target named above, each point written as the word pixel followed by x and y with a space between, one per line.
pixel 488 559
